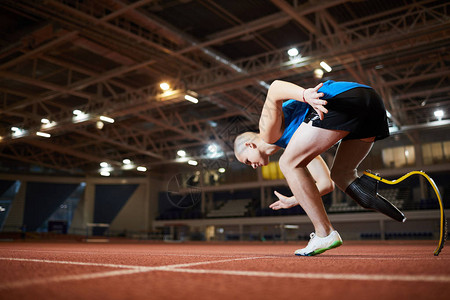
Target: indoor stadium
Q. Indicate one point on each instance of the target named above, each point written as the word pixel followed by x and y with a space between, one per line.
pixel 226 149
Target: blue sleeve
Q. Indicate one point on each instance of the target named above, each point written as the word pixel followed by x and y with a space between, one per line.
pixel 294 113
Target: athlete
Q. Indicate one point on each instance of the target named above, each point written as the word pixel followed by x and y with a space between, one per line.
pixel 307 122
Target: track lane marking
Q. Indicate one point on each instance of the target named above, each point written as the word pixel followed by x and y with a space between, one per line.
pixel 332 276
pixel 129 270
pixel 29 282
pixel 63 262
pixel 183 268
pixel 125 266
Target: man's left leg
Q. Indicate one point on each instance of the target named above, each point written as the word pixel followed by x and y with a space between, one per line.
pixel 362 189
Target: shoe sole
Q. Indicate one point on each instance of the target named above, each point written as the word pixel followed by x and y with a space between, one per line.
pixel 321 250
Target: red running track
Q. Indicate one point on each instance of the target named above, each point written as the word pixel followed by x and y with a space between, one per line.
pixel 370 270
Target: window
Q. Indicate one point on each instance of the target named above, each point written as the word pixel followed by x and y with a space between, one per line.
pixel 434 153
pixel 399 156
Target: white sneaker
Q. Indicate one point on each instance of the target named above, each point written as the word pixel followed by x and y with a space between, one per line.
pixel 319 245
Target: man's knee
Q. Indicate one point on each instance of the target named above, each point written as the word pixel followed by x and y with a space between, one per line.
pixel 284 164
pixel 288 163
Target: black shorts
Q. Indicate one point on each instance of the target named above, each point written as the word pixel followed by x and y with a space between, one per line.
pixel 360 111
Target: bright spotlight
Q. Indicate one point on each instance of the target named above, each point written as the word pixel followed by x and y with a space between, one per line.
pixel 43 134
pixel 439 113
pixel 105 173
pixel 181 153
pixel 293 52
pixel 325 66
pixel 193 162
pixel 221 170
pixel 141 169
pixel 107 119
pixel 212 148
pixel 191 99
pixel 45 121
pixel 318 73
pixel 126 161
pixel 99 125
pixel 164 86
pixel 104 164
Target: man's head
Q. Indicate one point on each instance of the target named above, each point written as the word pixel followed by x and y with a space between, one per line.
pixel 247 150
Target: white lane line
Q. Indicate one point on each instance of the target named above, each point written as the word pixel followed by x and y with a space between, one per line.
pixel 69 262
pixel 129 270
pixel 25 283
pixel 126 266
pixel 208 262
pixel 361 277
pixel 182 269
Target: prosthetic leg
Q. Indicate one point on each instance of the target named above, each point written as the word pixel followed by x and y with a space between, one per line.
pixel 443 220
pixel 364 190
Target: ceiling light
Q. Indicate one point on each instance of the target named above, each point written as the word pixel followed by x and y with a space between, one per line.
pixel 105 173
pixel 77 112
pixel 291 226
pixel 104 164
pixel 99 125
pixel 318 73
pixel 43 134
pixel 164 86
pixel 107 119
pixel 126 161
pixel 439 113
pixel 293 52
pixel 212 148
pixel 181 153
pixel 193 162
pixel 190 98
pixel 141 169
pixel 18 132
pixel 221 170
pixel 325 66
pixel 45 121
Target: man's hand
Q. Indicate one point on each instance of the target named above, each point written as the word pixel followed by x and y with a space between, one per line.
pixel 283 202
pixel 312 97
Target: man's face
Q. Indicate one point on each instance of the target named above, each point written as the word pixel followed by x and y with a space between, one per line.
pixel 253 157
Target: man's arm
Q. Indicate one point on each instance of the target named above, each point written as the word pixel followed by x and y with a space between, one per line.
pixel 271 120
pixel 321 174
